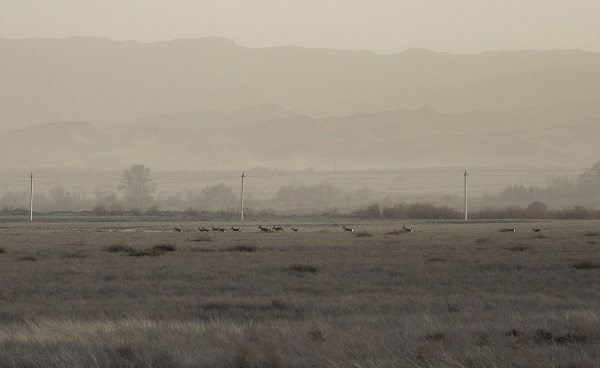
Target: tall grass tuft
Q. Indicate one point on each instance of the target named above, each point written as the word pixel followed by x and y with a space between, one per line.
pixel 27 259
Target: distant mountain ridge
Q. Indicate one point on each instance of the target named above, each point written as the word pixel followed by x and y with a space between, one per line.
pixel 269 136
pixel 108 82
pixel 211 104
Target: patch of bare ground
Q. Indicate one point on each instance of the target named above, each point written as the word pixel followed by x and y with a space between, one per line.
pixel 441 298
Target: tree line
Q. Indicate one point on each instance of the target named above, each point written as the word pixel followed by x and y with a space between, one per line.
pixel 136 195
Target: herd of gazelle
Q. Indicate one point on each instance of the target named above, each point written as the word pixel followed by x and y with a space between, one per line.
pixel 279 228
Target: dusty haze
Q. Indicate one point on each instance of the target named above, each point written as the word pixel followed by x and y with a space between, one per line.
pixel 383 26
pixel 332 85
pixel 212 104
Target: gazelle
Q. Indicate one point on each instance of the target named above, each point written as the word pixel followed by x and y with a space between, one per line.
pixel 347 228
pixel 407 229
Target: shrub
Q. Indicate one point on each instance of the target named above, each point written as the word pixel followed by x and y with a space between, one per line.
pixel 585 265
pixel 435 337
pixel 100 210
pixel 152 210
pixel 2 250
pixel 370 212
pixel 74 255
pixel 396 232
pixel 363 234
pixel 436 259
pixel 304 268
pixel 245 248
pixel 202 238
pixel 164 247
pixel 146 253
pixel 519 248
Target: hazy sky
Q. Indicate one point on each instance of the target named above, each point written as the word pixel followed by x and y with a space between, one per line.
pixel 384 26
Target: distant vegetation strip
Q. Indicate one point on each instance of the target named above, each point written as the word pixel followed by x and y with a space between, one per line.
pixel 535 210
pixel 409 211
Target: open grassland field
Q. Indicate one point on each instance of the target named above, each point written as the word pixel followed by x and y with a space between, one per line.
pixel 133 294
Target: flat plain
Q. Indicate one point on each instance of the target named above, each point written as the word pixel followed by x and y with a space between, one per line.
pixel 447 294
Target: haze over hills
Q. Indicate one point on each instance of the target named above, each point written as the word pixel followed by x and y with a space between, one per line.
pixel 211 104
pixel 273 137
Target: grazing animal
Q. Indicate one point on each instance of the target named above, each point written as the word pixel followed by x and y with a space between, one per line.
pixel 407 229
pixel 216 228
pixel 347 228
pixel 264 229
pixel 509 230
pixel 222 230
pixel 203 229
pixel 294 229
pixel 537 230
pixel 177 229
pixel 235 229
pixel 277 228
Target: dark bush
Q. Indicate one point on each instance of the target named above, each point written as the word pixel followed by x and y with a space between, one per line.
pixel 304 268
pixel 146 253
pixel 164 247
pixel 244 248
pixel 519 248
pixel 585 265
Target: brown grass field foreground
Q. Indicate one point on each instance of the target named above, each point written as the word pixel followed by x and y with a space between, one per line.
pixel 446 294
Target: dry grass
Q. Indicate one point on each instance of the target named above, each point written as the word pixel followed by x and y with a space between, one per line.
pixel 440 298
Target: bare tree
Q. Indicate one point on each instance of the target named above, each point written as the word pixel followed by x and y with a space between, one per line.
pixel 137 184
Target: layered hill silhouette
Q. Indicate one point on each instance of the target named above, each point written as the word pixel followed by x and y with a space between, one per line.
pixel 211 104
pixel 270 136
pixel 106 82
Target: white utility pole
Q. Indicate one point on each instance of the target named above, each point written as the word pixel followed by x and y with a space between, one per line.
pixel 466 208
pixel 31 199
pixel 242 198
